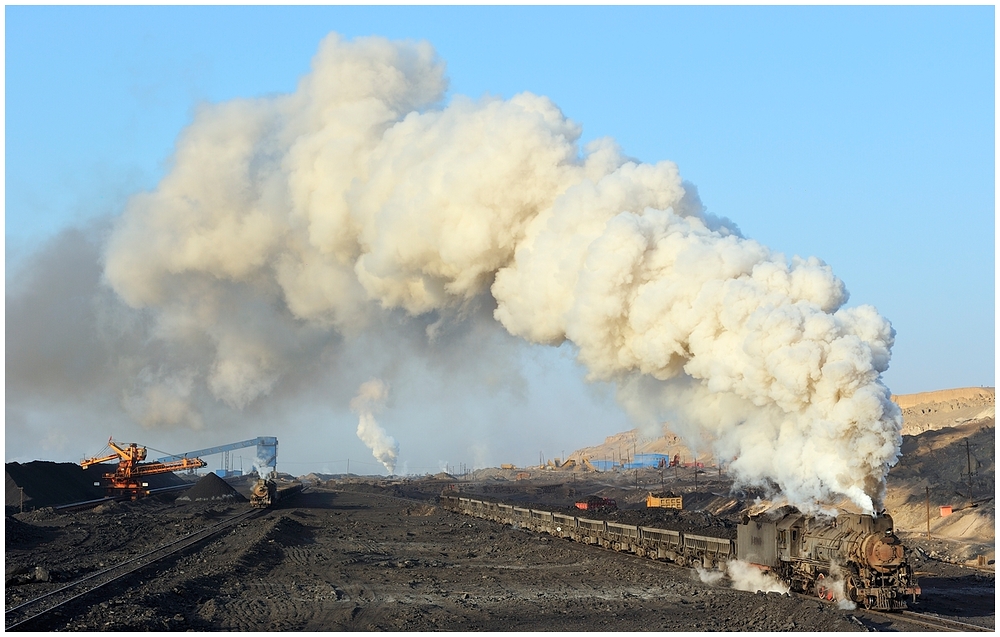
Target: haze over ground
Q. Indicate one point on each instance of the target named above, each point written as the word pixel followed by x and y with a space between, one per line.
pixel 795 135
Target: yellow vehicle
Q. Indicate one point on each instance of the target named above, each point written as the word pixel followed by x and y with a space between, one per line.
pixel 664 501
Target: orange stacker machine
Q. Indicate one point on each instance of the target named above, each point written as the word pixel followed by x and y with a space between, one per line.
pixel 127 478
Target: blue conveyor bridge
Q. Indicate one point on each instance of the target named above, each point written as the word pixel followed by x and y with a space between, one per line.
pixel 267 451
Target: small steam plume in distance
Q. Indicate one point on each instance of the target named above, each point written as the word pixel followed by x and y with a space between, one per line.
pixel 260 465
pixel 291 226
pixel 370 399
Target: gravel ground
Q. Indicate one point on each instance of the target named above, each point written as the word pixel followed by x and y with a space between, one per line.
pixel 385 558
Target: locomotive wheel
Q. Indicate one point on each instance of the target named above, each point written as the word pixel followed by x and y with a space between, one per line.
pixel 823 591
pixel 851 586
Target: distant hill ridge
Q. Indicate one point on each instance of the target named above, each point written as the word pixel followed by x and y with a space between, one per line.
pixel 984 394
pixel 925 411
pixel 934 410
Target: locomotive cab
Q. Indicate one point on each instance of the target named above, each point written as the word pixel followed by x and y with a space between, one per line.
pixel 789 537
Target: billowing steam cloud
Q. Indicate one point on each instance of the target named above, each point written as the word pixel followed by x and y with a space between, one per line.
pixel 371 398
pixel 747 577
pixel 287 219
pixel 743 576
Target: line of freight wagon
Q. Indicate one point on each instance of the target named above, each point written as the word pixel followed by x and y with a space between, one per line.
pixel 807 553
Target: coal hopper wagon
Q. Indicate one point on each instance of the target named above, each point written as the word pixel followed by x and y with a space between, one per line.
pixel 809 554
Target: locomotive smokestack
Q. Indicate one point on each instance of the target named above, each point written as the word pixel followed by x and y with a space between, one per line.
pixel 359 197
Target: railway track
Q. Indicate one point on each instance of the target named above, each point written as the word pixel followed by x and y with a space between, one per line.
pixel 90 504
pixel 935 623
pixel 23 616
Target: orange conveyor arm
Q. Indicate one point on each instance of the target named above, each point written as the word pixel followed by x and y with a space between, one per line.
pixel 166 467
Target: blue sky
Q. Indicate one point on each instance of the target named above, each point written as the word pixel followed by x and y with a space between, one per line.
pixel 861 135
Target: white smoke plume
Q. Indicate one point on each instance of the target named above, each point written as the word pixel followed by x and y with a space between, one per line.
pixel 285 220
pixel 706 576
pixel 262 467
pixel 371 398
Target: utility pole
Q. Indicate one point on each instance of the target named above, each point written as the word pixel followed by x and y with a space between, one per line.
pixel 21 489
pixel 928 501
pixel 968 455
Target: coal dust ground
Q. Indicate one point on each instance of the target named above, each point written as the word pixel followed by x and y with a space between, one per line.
pixel 385 557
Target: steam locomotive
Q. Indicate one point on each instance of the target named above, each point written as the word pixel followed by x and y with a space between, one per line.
pixel 853 557
pixel 859 554
pixel 267 493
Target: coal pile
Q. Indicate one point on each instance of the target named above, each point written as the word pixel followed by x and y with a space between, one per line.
pixel 22 534
pixel 49 484
pixel 211 487
pixel 698 522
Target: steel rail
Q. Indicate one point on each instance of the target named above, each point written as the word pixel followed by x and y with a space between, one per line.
pixel 940 623
pixel 89 504
pixel 22 614
pixel 86 504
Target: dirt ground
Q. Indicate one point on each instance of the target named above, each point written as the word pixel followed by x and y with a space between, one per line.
pixel 365 555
